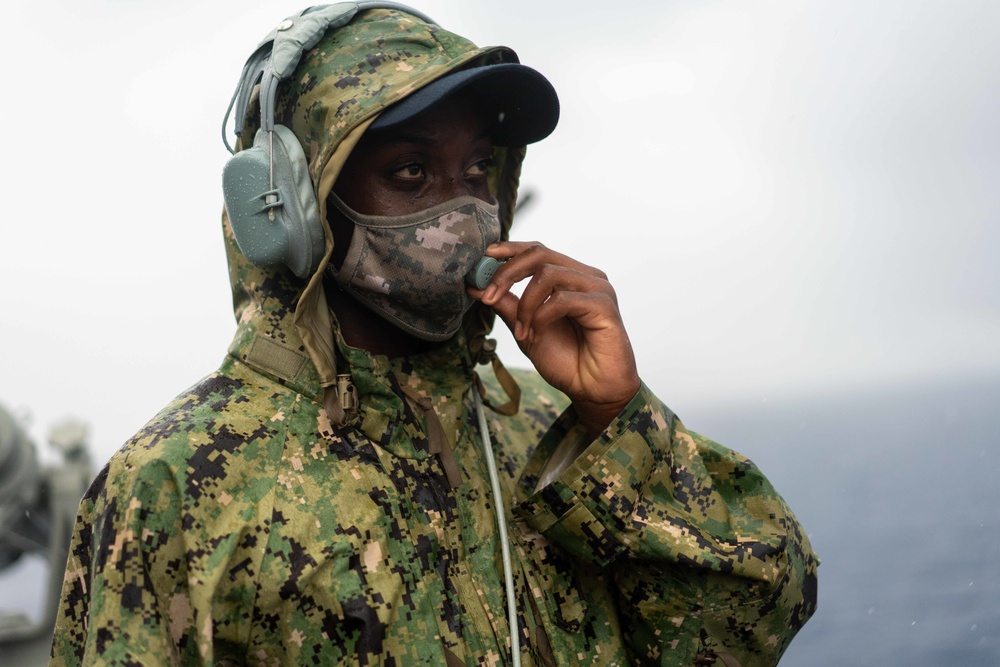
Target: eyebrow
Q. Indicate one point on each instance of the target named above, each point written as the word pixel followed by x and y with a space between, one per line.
pixel 424 139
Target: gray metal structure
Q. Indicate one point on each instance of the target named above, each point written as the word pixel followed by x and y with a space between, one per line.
pixel 37 507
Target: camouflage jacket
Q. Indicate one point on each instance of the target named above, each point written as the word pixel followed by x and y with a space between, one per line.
pixel 240 527
pixel 251 523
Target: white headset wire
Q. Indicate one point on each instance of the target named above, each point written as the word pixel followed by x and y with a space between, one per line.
pixel 498 506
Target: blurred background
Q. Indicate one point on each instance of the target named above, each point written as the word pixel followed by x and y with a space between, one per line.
pixel 796 201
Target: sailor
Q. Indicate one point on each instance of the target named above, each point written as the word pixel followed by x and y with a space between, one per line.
pixel 362 481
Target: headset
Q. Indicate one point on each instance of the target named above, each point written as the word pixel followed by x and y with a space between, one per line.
pixel 269 196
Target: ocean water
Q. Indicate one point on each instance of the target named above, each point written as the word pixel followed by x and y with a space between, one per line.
pixel 899 491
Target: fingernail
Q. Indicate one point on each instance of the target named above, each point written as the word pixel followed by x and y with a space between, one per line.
pixel 518 330
pixel 490 292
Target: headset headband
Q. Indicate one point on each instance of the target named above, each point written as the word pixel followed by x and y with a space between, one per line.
pixel 277 55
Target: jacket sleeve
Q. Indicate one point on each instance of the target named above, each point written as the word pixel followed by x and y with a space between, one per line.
pixel 707 558
pixel 125 598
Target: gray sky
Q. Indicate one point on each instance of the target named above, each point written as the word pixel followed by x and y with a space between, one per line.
pixel 790 197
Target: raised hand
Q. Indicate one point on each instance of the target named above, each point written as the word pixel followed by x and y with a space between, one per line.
pixel 568 324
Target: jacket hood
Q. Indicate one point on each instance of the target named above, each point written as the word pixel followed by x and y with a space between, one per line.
pixel 286 329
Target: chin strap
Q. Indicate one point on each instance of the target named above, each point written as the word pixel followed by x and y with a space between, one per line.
pixel 498 506
pixel 486 352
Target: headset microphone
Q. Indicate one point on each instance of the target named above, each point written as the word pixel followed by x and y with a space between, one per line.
pixel 482 273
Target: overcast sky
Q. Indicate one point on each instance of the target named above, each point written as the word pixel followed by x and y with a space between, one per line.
pixel 790 197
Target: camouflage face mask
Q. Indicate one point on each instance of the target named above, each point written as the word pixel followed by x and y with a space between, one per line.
pixel 411 269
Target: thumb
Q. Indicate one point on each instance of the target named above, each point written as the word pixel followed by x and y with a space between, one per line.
pixel 506 308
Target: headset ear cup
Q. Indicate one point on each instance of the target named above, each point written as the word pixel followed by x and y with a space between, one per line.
pixel 274 221
pixel 270 201
pixel 301 210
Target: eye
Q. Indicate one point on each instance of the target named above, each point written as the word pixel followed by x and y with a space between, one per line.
pixel 409 172
pixel 481 167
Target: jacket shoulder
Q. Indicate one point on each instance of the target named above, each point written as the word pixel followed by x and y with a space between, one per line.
pixel 227 428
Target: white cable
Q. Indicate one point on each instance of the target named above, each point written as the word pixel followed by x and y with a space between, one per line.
pixel 270 174
pixel 498 506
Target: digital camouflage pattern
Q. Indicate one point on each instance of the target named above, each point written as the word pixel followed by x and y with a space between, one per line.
pixel 411 269
pixel 251 522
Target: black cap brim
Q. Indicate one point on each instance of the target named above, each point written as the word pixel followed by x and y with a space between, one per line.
pixel 525 103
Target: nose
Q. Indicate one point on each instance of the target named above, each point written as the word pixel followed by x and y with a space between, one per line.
pixel 454 185
pixel 457 182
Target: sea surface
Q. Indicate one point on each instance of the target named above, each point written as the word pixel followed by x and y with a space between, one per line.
pixel 899 491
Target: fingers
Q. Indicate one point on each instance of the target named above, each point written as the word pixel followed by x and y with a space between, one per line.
pixel 552 275
pixel 554 288
pixel 550 269
pixel 524 257
pixel 506 309
pixel 593 311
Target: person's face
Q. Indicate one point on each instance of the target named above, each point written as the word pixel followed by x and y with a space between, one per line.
pixel 441 154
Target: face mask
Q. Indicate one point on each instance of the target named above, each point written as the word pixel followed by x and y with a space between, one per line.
pixel 411 269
